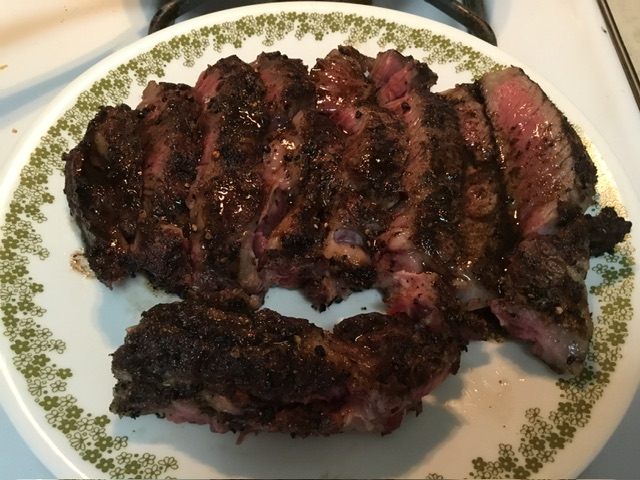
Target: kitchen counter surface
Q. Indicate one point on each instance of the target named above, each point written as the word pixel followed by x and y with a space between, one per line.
pixel 44 45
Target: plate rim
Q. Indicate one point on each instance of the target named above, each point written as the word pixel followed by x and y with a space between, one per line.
pixel 66 97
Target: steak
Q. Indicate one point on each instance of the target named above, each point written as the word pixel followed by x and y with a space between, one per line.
pixel 543 294
pixel 288 84
pixel 371 168
pixel 465 208
pixel 544 298
pixel 104 189
pixel 227 194
pixel 548 173
pixel 289 89
pixel 161 248
pixel 485 229
pixel 422 237
pixel 293 251
pixel 260 371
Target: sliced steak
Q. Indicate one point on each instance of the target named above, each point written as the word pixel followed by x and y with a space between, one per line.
pixel 226 198
pixel 293 250
pixel 549 175
pixel 288 89
pixel 103 185
pixel 423 236
pixel 371 167
pixel 544 297
pixel 341 79
pixel 289 86
pixel 606 230
pixel 395 75
pixel 485 230
pixel 263 372
pixel 172 144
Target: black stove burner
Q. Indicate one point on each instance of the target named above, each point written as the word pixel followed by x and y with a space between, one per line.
pixel 469 13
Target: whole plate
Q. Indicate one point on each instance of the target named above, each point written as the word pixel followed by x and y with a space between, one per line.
pixel 503 415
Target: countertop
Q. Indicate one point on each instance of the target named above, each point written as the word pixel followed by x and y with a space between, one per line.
pixel 44 45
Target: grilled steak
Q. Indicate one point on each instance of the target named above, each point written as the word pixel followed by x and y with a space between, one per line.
pixel 172 144
pixel 466 208
pixel 288 84
pixel 371 168
pixel 261 371
pixel 395 74
pixel 548 173
pixel 544 297
pixel 293 251
pixel 605 231
pixel 485 228
pixel 422 237
pixel 288 90
pixel 103 185
pixel 226 197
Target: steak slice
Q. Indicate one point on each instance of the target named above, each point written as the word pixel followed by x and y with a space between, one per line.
pixel 293 250
pixel 289 90
pixel 263 372
pixel 289 87
pixel 226 198
pixel 485 230
pixel 104 189
pixel 395 75
pixel 172 143
pixel 341 79
pixel 549 175
pixel 371 167
pixel 423 235
pixel 544 296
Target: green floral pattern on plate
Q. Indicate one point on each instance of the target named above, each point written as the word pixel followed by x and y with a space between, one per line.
pixel 39 356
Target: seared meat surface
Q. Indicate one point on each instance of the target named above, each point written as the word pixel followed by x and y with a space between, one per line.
pixel 543 293
pixel 260 371
pixel 548 173
pixel 172 143
pixel 370 170
pixel 485 228
pixel 422 236
pixel 288 90
pixel 544 298
pixel 103 185
pixel 226 196
pixel 293 250
pixel 465 208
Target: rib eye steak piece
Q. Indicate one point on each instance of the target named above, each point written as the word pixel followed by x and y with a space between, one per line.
pixel 226 197
pixel 341 79
pixel 544 296
pixel 171 140
pixel 288 90
pixel 104 189
pixel 371 167
pixel 606 230
pixel 395 74
pixel 423 235
pixel 288 84
pixel 485 229
pixel 263 372
pixel 292 252
pixel 548 173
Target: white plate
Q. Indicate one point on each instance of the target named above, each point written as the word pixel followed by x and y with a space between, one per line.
pixel 504 415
